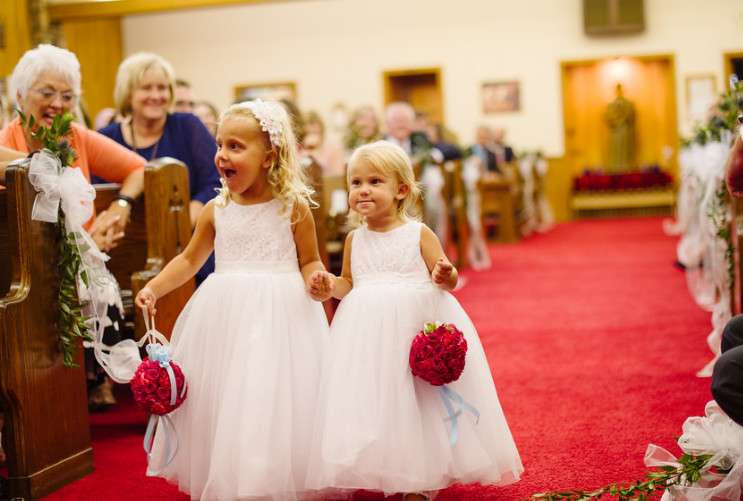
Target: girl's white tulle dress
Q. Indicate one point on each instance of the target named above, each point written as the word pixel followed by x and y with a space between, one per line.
pixel 250 343
pixel 379 427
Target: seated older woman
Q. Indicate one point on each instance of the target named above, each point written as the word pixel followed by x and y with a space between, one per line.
pixel 47 82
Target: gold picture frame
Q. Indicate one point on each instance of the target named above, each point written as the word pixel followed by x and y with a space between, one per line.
pixel 499 97
pixel 271 91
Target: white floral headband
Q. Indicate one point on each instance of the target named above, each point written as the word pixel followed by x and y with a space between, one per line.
pixel 269 114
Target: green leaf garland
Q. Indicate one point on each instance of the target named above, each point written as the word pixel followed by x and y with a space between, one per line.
pixel 73 326
pixel 688 472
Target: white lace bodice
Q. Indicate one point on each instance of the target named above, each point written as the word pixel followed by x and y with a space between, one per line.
pixel 253 234
pixel 393 256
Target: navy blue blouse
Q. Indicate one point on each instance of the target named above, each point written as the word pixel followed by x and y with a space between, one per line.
pixel 186 139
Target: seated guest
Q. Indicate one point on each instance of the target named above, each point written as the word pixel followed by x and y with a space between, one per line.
pixel 399 118
pixel 106 116
pixel 363 128
pixel 47 83
pixel 483 149
pixel 727 376
pixel 503 153
pixel 208 115
pixel 144 95
pixel 184 97
pixel 299 125
pixel 327 155
pixel 435 133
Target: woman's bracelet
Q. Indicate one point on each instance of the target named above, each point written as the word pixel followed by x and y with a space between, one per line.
pixel 124 200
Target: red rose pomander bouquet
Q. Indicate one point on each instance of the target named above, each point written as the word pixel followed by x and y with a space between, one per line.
pixel 438 353
pixel 152 386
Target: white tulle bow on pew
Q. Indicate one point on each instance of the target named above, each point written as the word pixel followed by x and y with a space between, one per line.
pixel 717 436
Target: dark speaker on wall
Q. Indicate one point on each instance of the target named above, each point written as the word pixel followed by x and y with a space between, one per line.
pixel 613 17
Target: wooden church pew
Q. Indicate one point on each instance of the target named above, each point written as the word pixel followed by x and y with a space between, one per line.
pixel 458 228
pixel 158 231
pixel 497 198
pixel 314 175
pixel 46 433
pixel 337 227
pixel 736 235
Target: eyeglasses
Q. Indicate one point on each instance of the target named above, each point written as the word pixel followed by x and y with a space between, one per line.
pixel 50 95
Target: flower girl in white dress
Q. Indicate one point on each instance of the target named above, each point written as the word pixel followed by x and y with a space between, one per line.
pixel 378 427
pixel 250 339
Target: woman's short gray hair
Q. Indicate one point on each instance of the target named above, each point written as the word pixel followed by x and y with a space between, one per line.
pixel 45 57
pixel 130 73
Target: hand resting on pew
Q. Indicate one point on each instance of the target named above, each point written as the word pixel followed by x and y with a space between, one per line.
pixel 108 228
pixel 6 156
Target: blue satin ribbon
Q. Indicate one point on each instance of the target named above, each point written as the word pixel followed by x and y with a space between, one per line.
pixel 161 354
pixel 448 396
pixel 148 442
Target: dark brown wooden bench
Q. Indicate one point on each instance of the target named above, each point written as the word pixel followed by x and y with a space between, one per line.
pixel 736 235
pixel 158 231
pixel 46 433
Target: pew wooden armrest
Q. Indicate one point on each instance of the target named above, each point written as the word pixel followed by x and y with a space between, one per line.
pixel 158 231
pixel 497 197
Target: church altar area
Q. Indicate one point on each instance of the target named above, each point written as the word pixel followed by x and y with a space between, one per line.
pixel 642 193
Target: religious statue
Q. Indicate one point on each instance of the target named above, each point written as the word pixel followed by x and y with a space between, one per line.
pixel 620 115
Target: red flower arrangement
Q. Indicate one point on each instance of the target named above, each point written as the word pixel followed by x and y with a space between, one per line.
pixel 152 387
pixel 438 353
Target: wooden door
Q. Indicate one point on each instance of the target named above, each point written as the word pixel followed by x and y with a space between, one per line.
pixel 733 64
pixel 420 88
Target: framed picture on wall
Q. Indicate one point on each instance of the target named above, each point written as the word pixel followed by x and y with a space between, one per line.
pixel 701 95
pixel 498 97
pixel 266 91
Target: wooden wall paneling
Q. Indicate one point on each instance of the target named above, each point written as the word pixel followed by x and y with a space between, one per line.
pixel 97 44
pixel 97 10
pixel 557 186
pixel 17 33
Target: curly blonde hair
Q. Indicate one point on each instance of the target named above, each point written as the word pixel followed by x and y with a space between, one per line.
pixel 390 161
pixel 286 176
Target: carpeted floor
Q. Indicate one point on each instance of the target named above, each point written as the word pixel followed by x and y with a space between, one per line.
pixel 593 340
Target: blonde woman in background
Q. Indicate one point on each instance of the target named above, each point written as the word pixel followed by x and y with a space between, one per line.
pixel 144 96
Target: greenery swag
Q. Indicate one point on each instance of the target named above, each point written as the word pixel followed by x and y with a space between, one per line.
pixel 72 324
pixel 688 472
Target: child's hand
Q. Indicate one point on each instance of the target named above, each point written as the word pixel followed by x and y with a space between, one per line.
pixel 320 285
pixel 442 271
pixel 146 298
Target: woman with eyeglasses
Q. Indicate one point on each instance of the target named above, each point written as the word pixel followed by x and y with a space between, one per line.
pixel 47 83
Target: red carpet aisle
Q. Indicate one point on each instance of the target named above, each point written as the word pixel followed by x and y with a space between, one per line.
pixel 593 340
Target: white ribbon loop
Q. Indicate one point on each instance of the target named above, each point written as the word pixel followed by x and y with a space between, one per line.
pixel 68 189
pixel 56 185
pixel 717 436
